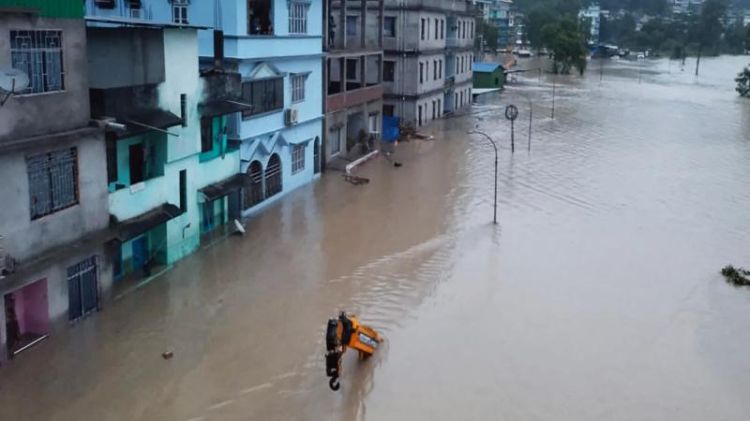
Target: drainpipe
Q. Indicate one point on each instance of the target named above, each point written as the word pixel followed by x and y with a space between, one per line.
pixel 183 109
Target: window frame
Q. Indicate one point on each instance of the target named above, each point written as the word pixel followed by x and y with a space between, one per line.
pixel 266 106
pixel 39 59
pixel 298 12
pixel 298 158
pixel 393 21
pixel 298 82
pixel 180 5
pixel 46 174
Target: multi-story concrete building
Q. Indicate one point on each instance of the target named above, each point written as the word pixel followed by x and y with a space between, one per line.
pixel 591 15
pixel 173 176
pixel 54 220
pixel 498 13
pixel 428 56
pixel 353 68
pixel 276 48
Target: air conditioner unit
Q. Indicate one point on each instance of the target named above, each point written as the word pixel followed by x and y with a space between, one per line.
pixel 290 116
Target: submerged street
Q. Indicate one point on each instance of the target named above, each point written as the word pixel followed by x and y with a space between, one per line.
pixel 596 297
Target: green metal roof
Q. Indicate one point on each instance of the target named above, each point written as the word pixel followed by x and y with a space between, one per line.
pixel 71 9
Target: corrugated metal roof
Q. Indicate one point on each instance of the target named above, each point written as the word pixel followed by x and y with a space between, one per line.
pixel 485 67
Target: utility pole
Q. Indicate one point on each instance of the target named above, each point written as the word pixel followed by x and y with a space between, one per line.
pixel 494 146
pixel 554 86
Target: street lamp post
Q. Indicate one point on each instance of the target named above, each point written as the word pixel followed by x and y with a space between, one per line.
pixel 494 146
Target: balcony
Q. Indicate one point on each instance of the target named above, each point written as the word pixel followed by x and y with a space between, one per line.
pixel 355 28
pixel 353 80
pixel 128 203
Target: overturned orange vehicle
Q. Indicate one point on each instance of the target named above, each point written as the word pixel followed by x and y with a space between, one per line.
pixel 346 332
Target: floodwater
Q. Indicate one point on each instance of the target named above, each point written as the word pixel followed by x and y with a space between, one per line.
pixel 596 297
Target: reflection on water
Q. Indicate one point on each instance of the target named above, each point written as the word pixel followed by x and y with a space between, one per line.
pixel 596 297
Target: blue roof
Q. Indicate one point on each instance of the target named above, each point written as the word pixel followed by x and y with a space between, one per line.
pixel 485 67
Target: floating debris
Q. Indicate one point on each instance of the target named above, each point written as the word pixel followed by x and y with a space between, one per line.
pixel 167 355
pixel 355 179
pixel 736 276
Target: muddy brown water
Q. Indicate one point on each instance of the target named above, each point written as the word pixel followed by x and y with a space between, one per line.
pixel 597 297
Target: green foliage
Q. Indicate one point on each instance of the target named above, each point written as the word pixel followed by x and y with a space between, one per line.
pixel 743 82
pixel 707 30
pixel 565 41
pixel 734 39
pixel 486 33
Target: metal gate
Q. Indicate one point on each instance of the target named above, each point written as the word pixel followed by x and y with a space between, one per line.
pixel 83 290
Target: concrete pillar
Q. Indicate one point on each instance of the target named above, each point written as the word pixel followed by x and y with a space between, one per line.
pixel 363 24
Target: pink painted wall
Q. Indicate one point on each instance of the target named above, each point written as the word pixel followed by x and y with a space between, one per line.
pixel 32 308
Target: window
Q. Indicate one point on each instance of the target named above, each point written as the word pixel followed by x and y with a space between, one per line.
pixel 83 291
pixel 388 110
pixel 265 95
pixel 389 26
pixel 39 54
pixel 351 26
pixel 424 28
pixel 273 176
pixel 180 11
pixel 298 158
pixel 434 70
pixel 389 71
pixel 437 29
pixel 53 181
pixel 259 17
pixel 351 69
pixel 434 109
pixel 207 135
pixel 335 141
pixel 472 30
pixel 440 72
pixel 442 29
pixel 373 122
pixel 419 116
pixel 421 72
pixel 298 87
pixel 254 190
pixel 298 17
pixel 440 107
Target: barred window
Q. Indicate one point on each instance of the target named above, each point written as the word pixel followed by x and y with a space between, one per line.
pixel 53 181
pixel 298 17
pixel 298 158
pixel 39 54
pixel 298 87
pixel 265 95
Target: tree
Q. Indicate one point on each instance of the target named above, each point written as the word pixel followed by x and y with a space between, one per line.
pixel 707 31
pixel 486 34
pixel 734 38
pixel 743 82
pixel 567 45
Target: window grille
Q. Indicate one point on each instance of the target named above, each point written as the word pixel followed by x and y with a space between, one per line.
pixel 53 181
pixel 298 17
pixel 298 87
pixel 298 158
pixel 39 54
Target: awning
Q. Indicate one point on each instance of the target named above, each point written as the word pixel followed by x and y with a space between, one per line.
pixel 131 228
pixel 221 107
pixel 146 121
pixel 225 187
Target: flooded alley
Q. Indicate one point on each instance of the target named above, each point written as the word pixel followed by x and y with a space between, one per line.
pixel 596 297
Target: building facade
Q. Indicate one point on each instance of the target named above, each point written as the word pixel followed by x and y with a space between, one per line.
pixel 275 46
pixel 591 16
pixel 53 264
pixel 498 13
pixel 353 69
pixel 428 56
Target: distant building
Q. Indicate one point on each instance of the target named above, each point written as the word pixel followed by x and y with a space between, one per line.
pixel 592 15
pixel 54 219
pixel 488 76
pixel 686 6
pixel 353 88
pixel 427 68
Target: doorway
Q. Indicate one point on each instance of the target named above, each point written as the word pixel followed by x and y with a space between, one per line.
pixel 83 289
pixel 26 317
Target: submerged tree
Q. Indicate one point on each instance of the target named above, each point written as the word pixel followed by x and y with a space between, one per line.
pixel 567 45
pixel 709 28
pixel 743 82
